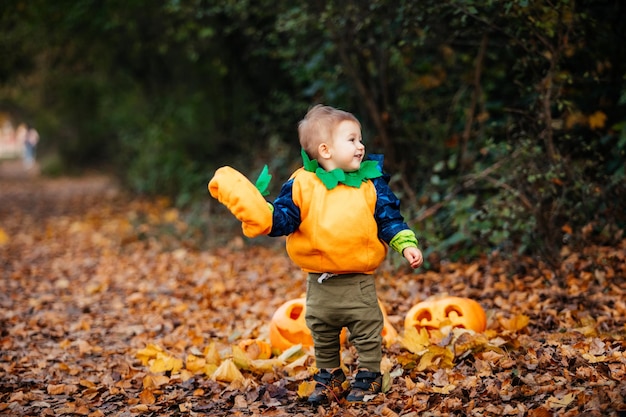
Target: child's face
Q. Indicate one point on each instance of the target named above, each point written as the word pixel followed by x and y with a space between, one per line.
pixel 345 147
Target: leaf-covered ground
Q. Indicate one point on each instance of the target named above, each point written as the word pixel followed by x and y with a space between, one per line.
pixel 109 308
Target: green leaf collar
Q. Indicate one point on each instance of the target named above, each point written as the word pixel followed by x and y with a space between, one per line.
pixel 367 170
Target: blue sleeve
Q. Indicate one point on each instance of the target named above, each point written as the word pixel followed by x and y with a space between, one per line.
pixel 286 217
pixel 387 212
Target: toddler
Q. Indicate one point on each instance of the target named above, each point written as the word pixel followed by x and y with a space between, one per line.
pixel 339 216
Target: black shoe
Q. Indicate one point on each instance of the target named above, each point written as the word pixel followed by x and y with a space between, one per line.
pixel 365 383
pixel 329 385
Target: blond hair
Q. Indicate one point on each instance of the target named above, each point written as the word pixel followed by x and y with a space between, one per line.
pixel 317 127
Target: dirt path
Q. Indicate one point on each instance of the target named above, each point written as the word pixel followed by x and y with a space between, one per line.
pixel 27 192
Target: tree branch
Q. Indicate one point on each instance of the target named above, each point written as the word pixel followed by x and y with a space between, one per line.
pixel 368 98
pixel 468 182
pixel 469 121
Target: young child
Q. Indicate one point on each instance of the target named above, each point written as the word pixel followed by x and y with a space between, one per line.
pixel 339 215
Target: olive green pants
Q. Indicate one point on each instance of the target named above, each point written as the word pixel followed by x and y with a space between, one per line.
pixel 350 301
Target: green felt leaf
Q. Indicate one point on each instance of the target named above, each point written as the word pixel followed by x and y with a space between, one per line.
pixel 328 178
pixel 263 182
pixel 369 169
pixel 353 179
pixel 309 165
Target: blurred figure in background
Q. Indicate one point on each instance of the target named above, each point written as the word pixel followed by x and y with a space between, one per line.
pixel 31 139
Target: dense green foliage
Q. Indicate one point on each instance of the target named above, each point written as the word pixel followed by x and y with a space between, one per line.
pixel 503 122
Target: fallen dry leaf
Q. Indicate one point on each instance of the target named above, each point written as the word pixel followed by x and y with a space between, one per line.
pixel 306 388
pixel 227 372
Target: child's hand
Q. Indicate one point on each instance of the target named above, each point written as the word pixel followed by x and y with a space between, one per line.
pixel 414 256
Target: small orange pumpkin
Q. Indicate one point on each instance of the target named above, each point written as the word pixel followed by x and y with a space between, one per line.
pixel 454 311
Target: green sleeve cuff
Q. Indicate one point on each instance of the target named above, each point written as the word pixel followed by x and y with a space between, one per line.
pixel 402 240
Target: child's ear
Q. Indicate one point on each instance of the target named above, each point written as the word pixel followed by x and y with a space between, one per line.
pixel 323 150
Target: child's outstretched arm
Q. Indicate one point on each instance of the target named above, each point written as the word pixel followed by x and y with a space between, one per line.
pixel 243 199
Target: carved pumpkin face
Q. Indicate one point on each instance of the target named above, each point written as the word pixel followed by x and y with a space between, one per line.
pixel 288 327
pixel 448 311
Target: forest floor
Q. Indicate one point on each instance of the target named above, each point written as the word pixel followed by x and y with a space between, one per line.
pixel 112 305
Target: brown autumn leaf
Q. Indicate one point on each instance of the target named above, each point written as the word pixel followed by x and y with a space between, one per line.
pixel 147 397
pixel 66 389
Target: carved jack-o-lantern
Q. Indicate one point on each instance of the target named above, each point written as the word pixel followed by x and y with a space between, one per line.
pixel 448 311
pixel 288 327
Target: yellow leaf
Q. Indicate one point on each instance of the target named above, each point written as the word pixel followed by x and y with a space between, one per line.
pixel 515 324
pixel 164 362
pixel 386 385
pixel 306 388
pixel 588 327
pixel 211 354
pixel 597 120
pixel 210 368
pixel 227 372
pixel 554 402
pixel 467 340
pixel 444 390
pixel 185 375
pixel 593 358
pixel 241 360
pixel 415 341
pixel 265 365
pixel 155 381
pixel 149 352
pixel 4 238
pixel 436 357
pixel 195 363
